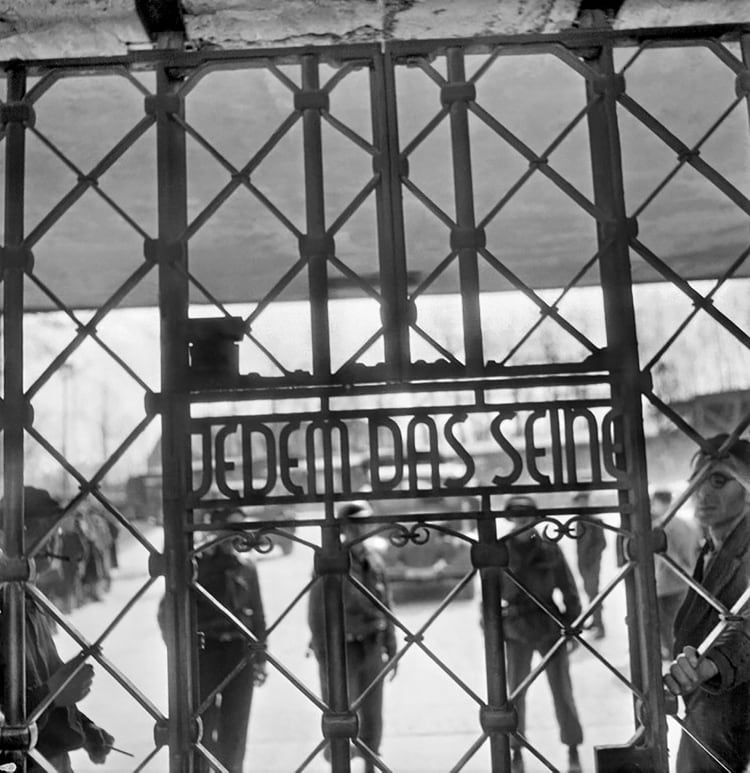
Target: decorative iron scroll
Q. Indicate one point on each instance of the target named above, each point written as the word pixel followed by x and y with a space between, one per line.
pixel 260 540
pixel 400 535
pixel 554 529
pixel 257 459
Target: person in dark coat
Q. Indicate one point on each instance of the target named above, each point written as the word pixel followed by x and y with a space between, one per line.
pixel 62 728
pixel 94 528
pixel 590 544
pixel 540 567
pixel 233 582
pixel 370 635
pixel 714 676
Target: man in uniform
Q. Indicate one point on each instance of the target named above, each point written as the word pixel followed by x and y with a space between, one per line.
pixel 227 652
pixel 370 635
pixel 539 566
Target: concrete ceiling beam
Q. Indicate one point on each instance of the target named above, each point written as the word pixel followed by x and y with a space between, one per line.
pixel 38 29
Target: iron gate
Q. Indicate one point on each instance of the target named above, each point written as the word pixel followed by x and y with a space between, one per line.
pixel 524 393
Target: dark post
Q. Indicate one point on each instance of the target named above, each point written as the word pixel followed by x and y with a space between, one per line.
pixel 175 449
pixel 15 260
pixel 613 236
pixel 336 562
pixel 466 239
pixel 743 79
pixel 316 245
pixel 391 240
pixel 499 716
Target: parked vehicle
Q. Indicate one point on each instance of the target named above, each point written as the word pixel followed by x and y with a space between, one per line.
pixel 432 561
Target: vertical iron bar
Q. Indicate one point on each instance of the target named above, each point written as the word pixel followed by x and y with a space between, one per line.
pixel 14 414
pixel 333 604
pixel 745 51
pixel 389 201
pixel 494 649
pixel 175 448
pixel 317 255
pixel 465 220
pixel 622 340
pixel 316 252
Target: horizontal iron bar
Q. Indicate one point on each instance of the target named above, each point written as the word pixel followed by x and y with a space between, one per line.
pixel 359 413
pixel 321 499
pixel 513 377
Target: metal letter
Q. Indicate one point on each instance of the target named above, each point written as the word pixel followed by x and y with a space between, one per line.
pixel 248 466
pixel 505 444
pixel 222 463
pixel 532 452
pixel 460 450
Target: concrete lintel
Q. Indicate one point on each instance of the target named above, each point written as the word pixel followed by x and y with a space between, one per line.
pixel 635 14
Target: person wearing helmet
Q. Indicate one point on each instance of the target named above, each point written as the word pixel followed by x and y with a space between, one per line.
pixel 370 634
pixel 539 567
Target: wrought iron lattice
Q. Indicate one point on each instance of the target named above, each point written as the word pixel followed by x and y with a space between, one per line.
pixel 90 641
pixel 705 312
pixel 396 414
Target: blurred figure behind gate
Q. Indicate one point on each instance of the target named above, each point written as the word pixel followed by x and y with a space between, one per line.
pixel 62 728
pixel 540 567
pixel 370 634
pixel 682 548
pixel 590 544
pixel 228 655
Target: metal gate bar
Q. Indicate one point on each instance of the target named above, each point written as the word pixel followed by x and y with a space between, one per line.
pixel 391 250
pixel 465 237
pixel 15 257
pixel 615 234
pixel 183 729
pixel 498 717
pixel 626 392
pixel 316 245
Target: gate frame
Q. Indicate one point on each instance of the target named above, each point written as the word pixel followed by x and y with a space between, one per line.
pixel 174 402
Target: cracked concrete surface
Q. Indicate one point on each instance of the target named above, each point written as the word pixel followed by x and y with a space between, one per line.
pixel 85 117
pixel 668 13
pixel 33 29
pixel 438 19
pixel 291 23
pixel 40 29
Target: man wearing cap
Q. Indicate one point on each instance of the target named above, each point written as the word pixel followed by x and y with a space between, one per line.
pixel 370 635
pixel 538 565
pixel 715 683
pixel 233 582
pixel 62 727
